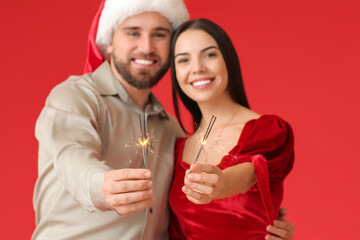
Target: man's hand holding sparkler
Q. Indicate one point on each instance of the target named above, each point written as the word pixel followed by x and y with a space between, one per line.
pixel 128 190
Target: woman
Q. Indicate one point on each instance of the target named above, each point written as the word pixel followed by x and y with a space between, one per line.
pixel 226 194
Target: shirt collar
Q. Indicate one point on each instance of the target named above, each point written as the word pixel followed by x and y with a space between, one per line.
pixel 107 84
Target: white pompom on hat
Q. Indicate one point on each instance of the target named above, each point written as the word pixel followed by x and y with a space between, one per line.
pixel 117 11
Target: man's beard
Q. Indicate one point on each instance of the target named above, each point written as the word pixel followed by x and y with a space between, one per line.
pixel 144 80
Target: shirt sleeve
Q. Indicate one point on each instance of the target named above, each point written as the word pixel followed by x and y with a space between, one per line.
pixel 68 129
pixel 271 137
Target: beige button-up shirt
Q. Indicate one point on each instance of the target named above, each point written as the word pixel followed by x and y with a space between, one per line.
pixel 90 125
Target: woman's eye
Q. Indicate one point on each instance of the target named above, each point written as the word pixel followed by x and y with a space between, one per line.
pixel 209 55
pixel 183 60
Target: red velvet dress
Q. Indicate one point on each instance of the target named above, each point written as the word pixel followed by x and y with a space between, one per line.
pixel 268 143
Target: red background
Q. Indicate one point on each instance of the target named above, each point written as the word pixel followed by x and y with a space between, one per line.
pixel 300 60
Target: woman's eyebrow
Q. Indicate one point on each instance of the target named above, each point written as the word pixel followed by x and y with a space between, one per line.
pixel 207 48
pixel 201 51
pixel 181 54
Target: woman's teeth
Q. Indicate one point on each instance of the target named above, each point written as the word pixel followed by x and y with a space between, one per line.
pixel 201 83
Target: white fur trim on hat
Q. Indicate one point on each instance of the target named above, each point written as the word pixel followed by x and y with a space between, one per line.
pixel 116 11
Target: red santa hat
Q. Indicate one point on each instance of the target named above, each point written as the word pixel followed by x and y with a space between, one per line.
pixel 112 13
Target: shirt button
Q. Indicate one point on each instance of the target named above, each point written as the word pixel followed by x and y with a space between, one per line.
pixel 150 210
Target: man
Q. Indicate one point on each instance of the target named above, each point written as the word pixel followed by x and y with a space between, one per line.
pixel 93 182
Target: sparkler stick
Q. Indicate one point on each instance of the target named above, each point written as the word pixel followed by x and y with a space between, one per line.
pixel 144 141
pixel 206 135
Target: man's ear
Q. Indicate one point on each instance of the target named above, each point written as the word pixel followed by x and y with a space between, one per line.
pixel 109 49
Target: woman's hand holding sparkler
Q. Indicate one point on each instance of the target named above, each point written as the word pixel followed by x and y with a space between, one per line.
pixel 128 190
pixel 203 183
pixel 206 182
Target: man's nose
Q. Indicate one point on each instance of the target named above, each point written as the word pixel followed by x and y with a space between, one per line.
pixel 146 45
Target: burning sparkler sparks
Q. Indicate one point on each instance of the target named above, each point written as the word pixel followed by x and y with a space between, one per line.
pixel 206 135
pixel 144 140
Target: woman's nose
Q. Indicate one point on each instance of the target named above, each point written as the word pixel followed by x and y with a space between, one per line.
pixel 198 66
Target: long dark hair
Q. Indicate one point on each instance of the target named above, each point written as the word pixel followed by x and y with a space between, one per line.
pixel 235 82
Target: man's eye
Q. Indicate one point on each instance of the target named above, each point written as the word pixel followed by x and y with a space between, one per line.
pixel 133 34
pixel 159 35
